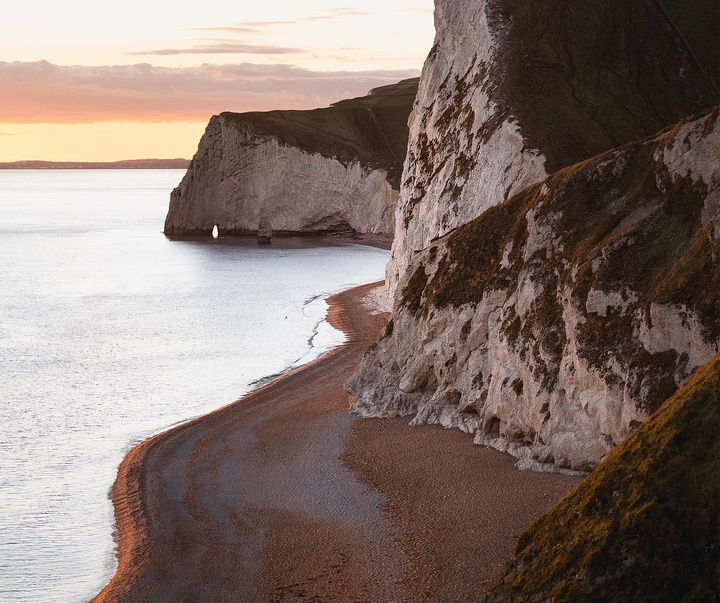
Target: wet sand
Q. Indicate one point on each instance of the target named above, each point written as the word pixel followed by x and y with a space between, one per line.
pixel 284 496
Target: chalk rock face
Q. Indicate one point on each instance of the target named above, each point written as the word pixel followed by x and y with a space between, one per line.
pixel 309 172
pixel 555 322
pixel 512 91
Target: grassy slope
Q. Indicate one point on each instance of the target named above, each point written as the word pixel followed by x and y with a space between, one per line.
pixel 583 76
pixel 371 129
pixel 645 525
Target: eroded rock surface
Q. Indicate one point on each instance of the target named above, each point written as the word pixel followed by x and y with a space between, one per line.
pixel 514 90
pixel 554 323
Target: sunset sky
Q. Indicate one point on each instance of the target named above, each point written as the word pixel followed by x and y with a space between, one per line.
pixel 84 81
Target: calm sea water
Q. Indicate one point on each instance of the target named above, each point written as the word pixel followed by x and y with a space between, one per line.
pixel 109 333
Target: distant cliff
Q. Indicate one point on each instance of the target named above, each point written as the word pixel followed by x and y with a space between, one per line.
pixel 128 164
pixel 306 172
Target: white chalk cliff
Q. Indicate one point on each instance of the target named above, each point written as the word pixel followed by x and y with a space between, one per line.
pixel 324 171
pixel 596 296
pixel 552 323
pixel 512 91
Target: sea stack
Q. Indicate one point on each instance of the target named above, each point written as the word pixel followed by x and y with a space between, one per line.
pixel 264 231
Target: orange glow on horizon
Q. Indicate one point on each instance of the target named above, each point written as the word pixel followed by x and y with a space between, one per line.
pixel 87 82
pixel 104 141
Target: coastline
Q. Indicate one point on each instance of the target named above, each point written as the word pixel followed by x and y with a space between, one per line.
pixel 253 502
pixel 296 241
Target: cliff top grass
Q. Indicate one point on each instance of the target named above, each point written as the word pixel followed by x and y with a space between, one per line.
pixel 370 129
pixel 645 525
pixel 582 76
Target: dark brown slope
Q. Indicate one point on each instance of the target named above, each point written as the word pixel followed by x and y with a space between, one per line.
pixel 371 129
pixel 698 22
pixel 645 526
pixel 583 76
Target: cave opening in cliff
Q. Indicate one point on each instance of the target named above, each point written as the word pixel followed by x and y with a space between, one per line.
pixel 216 231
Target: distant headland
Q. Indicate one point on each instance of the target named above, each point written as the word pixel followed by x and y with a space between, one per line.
pixel 128 164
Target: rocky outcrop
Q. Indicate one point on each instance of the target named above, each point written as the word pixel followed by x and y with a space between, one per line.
pixel 512 91
pixel 645 526
pixel 554 323
pixel 309 172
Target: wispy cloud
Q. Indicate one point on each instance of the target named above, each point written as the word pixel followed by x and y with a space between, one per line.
pixel 6 134
pixel 249 28
pixel 221 48
pixel 228 29
pixel 224 46
pixel 267 23
pixel 350 12
pixel 41 92
pixel 330 15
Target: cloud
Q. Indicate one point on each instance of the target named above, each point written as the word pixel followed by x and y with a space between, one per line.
pixel 228 29
pixel 249 27
pixel 267 23
pixel 41 92
pixel 6 134
pixel 221 48
pixel 350 12
pixel 331 14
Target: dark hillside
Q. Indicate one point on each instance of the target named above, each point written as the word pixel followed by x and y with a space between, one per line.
pixel 698 22
pixel 583 76
pixel 645 526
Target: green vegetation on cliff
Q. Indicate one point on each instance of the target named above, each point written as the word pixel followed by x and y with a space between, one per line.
pixel 645 525
pixel 619 222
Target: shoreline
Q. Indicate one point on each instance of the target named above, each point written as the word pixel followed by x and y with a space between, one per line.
pixel 135 519
pixel 293 241
pixel 284 495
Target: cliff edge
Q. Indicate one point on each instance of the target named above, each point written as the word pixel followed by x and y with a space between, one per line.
pixel 323 171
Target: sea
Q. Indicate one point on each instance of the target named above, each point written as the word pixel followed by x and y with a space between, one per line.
pixel 109 333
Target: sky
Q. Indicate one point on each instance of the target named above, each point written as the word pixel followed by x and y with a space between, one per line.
pixel 88 81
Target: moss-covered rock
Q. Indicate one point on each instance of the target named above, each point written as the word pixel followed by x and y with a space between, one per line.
pixel 645 525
